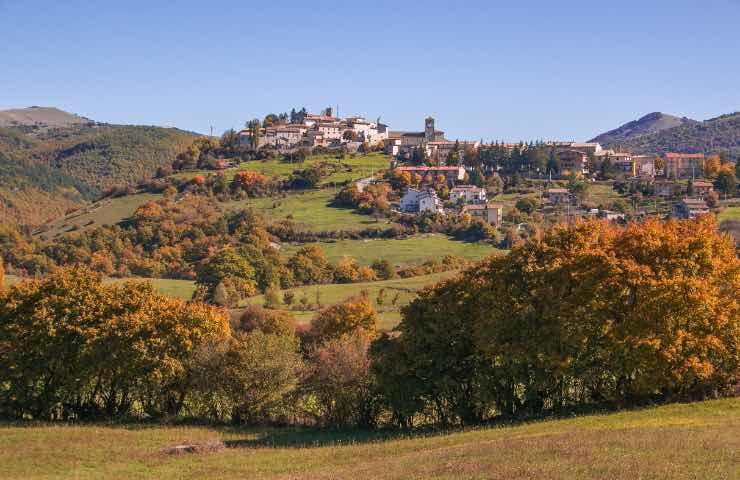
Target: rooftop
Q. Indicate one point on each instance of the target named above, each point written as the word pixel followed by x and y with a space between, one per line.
pixel 433 169
pixel 482 206
pixel 683 155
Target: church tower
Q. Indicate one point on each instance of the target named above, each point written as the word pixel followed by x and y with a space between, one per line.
pixel 429 129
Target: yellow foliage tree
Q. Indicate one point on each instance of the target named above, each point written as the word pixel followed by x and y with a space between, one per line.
pixel 712 165
pixel 354 315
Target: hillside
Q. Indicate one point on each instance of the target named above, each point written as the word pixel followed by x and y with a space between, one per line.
pixel 40 117
pixel 52 161
pixel 680 441
pixel 650 123
pixel 720 133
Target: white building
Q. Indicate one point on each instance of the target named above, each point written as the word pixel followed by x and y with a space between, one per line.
pixel 416 201
pixel 469 194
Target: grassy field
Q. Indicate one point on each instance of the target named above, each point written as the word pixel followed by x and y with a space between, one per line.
pixel 680 441
pixel 311 209
pixel 351 168
pixel 105 212
pixel 414 250
pixel 174 288
pixel 403 290
pixel 729 213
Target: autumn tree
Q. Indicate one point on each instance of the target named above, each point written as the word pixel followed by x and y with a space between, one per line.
pixel 247 378
pixel 354 315
pixel 338 378
pixel 73 347
pixel 589 313
pixel 228 269
pixel 712 165
pixel 309 265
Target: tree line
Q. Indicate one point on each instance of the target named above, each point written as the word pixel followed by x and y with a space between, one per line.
pixel 587 315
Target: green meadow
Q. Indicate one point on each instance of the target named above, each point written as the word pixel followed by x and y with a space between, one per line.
pixel 680 441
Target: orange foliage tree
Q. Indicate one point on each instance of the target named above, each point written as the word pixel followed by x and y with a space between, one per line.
pixel 589 313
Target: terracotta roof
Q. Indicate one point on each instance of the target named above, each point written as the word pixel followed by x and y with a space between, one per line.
pixel 433 169
pixel 557 190
pixel 482 206
pixel 695 202
pixel 466 187
pixel 701 183
pixel 684 155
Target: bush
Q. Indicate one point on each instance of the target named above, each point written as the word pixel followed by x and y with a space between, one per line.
pixel 247 378
pixel 338 377
pixel 72 347
pixel 274 322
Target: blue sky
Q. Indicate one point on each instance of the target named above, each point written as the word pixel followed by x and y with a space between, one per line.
pixel 484 69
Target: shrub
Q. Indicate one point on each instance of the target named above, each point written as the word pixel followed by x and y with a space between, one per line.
pixel 72 347
pixel 338 377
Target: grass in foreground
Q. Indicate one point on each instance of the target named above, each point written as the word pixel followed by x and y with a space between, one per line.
pixel 680 441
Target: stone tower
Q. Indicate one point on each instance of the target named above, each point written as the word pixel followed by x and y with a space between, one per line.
pixel 429 129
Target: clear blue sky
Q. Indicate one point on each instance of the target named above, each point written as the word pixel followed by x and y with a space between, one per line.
pixel 484 69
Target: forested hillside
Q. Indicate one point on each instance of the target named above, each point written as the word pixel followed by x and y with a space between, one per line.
pixel 717 134
pixel 46 169
pixel 651 123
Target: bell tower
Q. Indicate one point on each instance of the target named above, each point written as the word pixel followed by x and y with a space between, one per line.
pixel 429 129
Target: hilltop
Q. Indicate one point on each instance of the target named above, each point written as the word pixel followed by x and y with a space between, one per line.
pixel 40 117
pixel 651 123
pixel 660 133
pixel 51 160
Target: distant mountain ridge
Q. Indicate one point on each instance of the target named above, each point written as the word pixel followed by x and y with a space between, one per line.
pixel 40 116
pixel 659 133
pixel 650 123
pixel 51 160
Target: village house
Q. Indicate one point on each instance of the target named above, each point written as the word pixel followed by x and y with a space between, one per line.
pixel 468 193
pixel 644 165
pixel 690 208
pixel 435 146
pixel 589 148
pixel 623 163
pixel 611 216
pixel 574 161
pixel 665 188
pixel 557 196
pixel 683 165
pixel 702 188
pixel 439 151
pixel 420 201
pixel 323 130
pixel 490 212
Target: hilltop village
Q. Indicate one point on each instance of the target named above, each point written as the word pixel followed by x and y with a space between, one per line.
pixel 436 175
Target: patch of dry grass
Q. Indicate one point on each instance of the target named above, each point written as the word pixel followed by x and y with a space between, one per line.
pixel 681 441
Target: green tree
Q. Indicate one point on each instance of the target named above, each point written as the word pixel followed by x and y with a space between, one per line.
pixel 247 378
pixel 726 182
pixel 225 265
